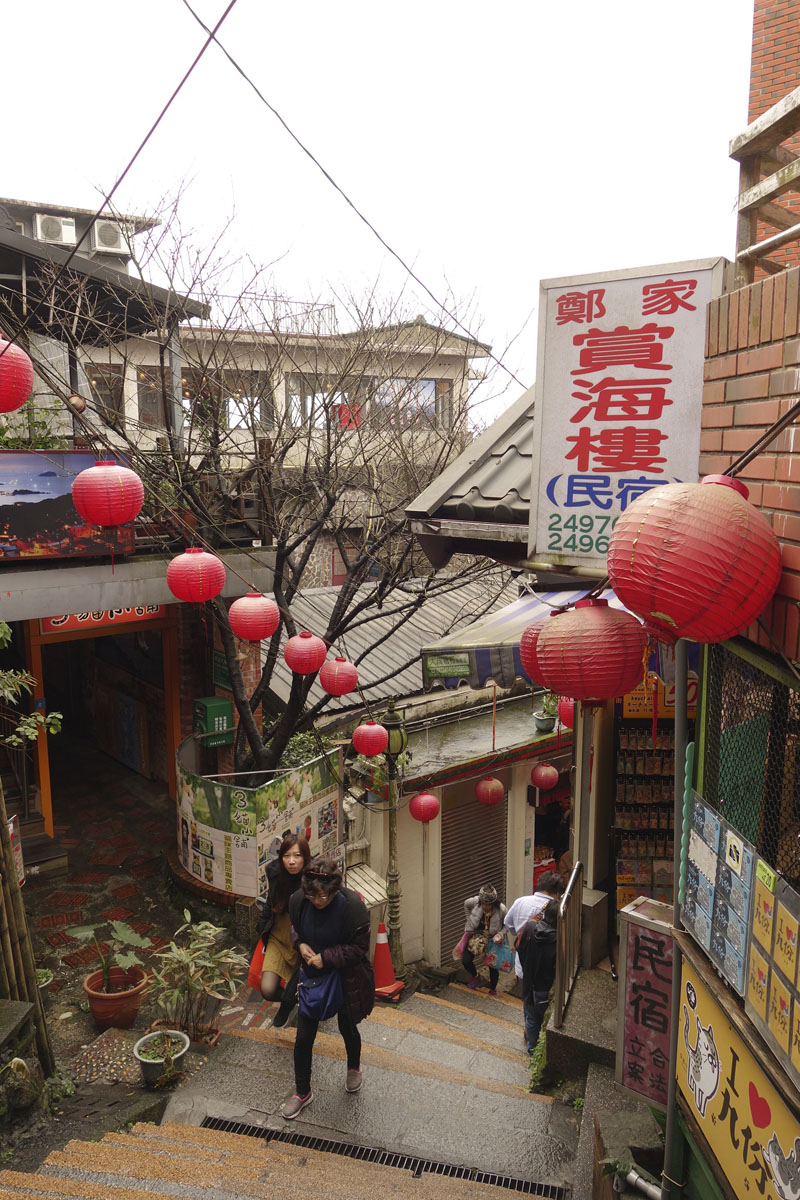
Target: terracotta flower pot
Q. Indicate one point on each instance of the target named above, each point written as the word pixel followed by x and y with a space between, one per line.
pixel 115 1009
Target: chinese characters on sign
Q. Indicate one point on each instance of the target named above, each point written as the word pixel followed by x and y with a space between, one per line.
pixel 618 402
pixel 645 999
pixel 100 618
pixel 772 1000
pixel 748 1127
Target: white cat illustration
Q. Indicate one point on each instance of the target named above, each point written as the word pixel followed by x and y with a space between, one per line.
pixel 703 1073
pixel 785 1171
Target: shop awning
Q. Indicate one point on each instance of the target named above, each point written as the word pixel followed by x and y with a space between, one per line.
pixel 488 651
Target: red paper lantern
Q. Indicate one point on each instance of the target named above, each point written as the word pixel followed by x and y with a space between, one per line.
pixel 254 617
pixel 305 653
pixel 370 739
pixel 566 713
pixel 527 648
pixel 544 776
pixel 195 575
pixel 423 807
pixel 695 560
pixel 107 494
pixel 489 790
pixel 338 677
pixel 16 377
pixel 591 652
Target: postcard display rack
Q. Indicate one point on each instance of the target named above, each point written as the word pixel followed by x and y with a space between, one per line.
pixel 643 829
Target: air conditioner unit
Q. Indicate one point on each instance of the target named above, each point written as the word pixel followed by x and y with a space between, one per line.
pixel 109 237
pixel 58 230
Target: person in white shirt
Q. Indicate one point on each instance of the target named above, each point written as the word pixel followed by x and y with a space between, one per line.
pixel 550 887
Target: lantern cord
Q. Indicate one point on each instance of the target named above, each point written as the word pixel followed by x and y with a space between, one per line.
pixel 655 709
pixel 494 717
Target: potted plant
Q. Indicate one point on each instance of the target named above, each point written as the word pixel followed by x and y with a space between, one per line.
pixel 115 990
pixel 195 973
pixel 160 1055
pixel 545 712
pixel 44 977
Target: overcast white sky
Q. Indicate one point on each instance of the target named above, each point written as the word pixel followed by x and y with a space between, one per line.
pixel 490 145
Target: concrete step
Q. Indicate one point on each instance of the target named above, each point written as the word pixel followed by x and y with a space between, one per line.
pixel 203 1164
pixel 589 1030
pixel 44 855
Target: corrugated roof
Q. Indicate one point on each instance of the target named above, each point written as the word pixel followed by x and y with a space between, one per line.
pixel 397 660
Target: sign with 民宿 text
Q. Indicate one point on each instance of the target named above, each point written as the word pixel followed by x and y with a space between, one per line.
pixel 645 1000
pixel 618 399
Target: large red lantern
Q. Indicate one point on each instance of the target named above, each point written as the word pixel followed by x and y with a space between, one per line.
pixel 423 807
pixel 370 739
pixel 305 653
pixel 338 677
pixel 107 494
pixel 489 790
pixel 16 377
pixel 527 648
pixel 566 713
pixel 254 617
pixel 695 560
pixel 196 575
pixel 591 652
pixel 544 776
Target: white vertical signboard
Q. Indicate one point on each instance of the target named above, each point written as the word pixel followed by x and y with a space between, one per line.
pixel 618 399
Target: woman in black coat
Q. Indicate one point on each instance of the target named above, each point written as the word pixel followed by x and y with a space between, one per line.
pixel 331 927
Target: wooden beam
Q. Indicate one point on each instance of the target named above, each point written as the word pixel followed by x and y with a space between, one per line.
pixel 767 131
pixel 775 215
pixel 774 185
pixel 33 654
pixel 779 155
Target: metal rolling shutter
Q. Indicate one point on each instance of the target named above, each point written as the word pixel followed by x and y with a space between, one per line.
pixel 473 853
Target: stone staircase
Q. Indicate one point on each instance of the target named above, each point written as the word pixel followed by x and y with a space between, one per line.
pixel 206 1164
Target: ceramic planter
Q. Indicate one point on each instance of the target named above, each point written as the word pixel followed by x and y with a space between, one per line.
pixel 544 724
pixel 116 1009
pixel 155 1069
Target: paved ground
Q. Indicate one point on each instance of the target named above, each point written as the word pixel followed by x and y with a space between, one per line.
pixel 445 1075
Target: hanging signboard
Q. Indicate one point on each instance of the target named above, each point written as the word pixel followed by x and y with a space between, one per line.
pixel 750 1130
pixel 102 618
pixel 618 396
pixel 645 1000
pixel 772 1001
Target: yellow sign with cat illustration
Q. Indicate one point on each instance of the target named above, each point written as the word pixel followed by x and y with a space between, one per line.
pixel 749 1129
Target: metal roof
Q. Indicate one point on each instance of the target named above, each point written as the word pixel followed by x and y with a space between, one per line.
pixel 397 660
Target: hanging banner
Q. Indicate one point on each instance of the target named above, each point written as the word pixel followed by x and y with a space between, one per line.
pixel 772 1002
pixel 749 1129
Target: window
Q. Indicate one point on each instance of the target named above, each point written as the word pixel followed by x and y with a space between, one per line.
pixel 338 564
pixel 106 385
pixel 406 402
pixel 151 397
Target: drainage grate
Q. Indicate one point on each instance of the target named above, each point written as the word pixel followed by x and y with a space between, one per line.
pixel 404 1162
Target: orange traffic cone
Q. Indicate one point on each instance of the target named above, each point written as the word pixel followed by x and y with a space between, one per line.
pixel 386 986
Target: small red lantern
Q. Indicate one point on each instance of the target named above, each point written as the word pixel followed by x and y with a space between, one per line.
pixel 254 617
pixel 566 713
pixel 489 790
pixel 305 653
pixel 591 652
pixel 107 494
pixel 695 560
pixel 338 677
pixel 544 776
pixel 196 575
pixel 527 648
pixel 370 739
pixel 423 807
pixel 16 377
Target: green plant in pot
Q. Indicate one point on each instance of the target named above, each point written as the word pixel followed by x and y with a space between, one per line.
pixel 194 975
pixel 115 989
pixel 160 1055
pixel 545 712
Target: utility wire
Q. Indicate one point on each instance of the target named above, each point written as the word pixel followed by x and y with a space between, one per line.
pixel 107 197
pixel 409 271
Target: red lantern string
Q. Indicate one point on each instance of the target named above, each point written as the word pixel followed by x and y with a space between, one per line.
pixel 655 708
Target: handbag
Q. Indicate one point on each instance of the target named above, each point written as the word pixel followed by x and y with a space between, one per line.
pixel 477 944
pixel 320 996
pixel 460 947
pixel 499 955
pixel 254 974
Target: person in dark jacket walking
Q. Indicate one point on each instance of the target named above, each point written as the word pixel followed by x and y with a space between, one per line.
pixel 536 947
pixel 281 960
pixel 331 926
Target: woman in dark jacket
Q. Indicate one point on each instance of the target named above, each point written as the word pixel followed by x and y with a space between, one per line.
pixel 536 947
pixel 284 876
pixel 331 928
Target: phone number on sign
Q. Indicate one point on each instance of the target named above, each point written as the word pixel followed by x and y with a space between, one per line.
pixel 583 533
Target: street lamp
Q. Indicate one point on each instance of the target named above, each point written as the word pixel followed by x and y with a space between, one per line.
pixel 398 740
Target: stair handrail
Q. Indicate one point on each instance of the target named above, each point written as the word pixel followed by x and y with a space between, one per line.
pixel 568 943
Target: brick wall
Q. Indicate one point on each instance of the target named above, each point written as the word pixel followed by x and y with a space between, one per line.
pixel 752 376
pixel 775 71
